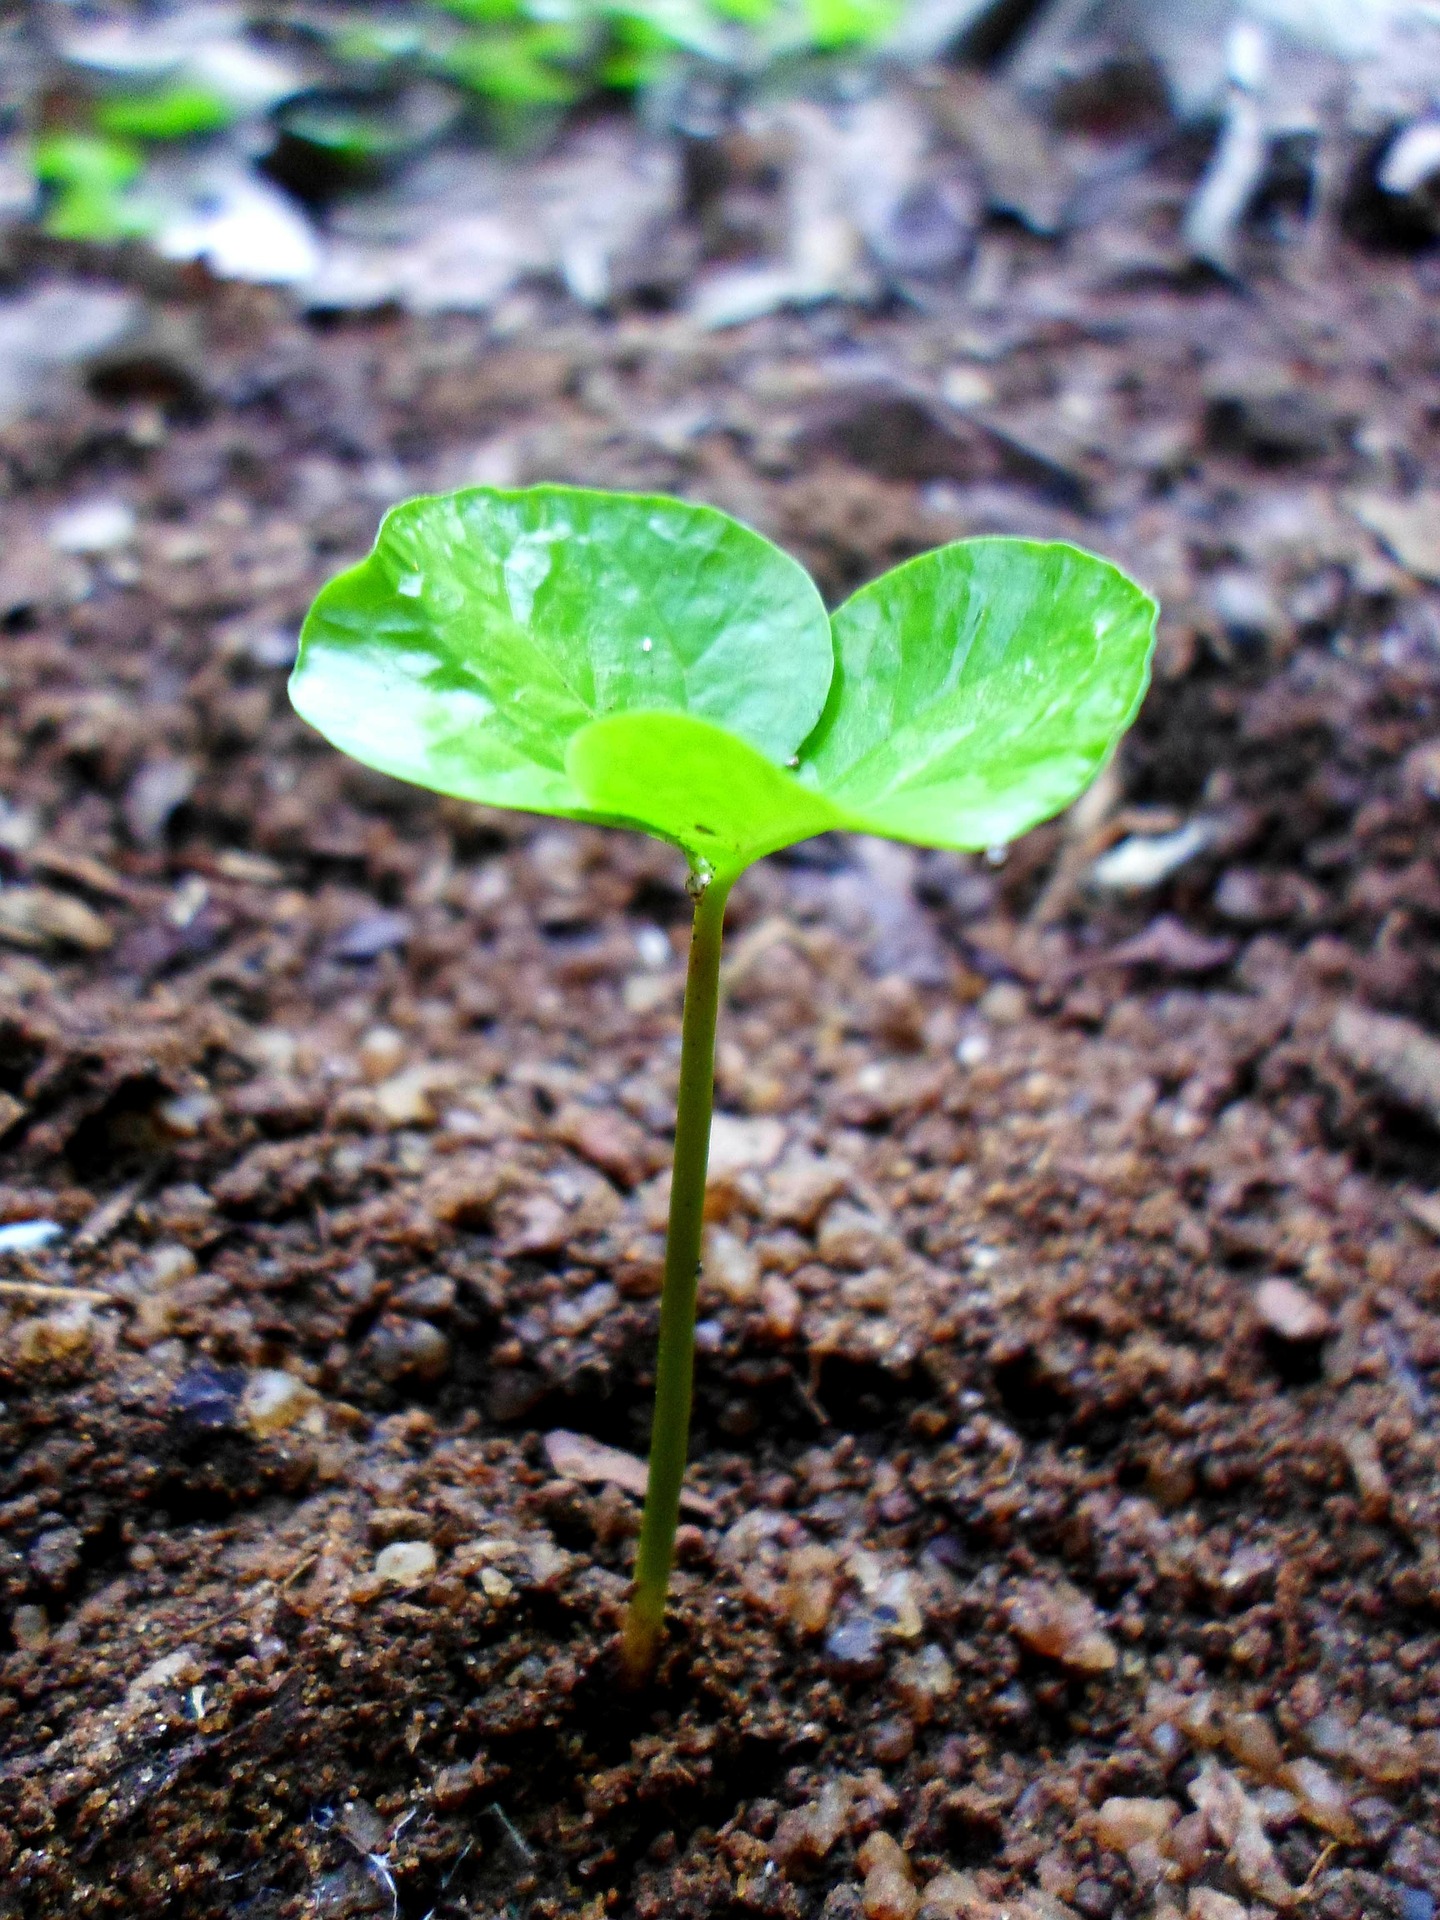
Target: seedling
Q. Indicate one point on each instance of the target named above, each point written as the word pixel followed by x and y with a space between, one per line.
pixel 642 662
pixel 90 180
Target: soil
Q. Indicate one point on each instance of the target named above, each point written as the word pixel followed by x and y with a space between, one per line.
pixel 1064 1534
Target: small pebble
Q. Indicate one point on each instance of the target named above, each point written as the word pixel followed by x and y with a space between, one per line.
pixel 388 1524
pixel 1367 1469
pixel 1328 1736
pixel 897 1608
pixel 405 1100
pixel 1414 1857
pixel 1003 1005
pixel 843 1903
pixel 951 1896
pixel 887 1895
pixel 1324 1802
pixel 802 1186
pixel 93 527
pixel 889 1890
pixel 811 1584
pixel 1247 1574
pixel 1387 1755
pixel 273 1400
pixel 452 1787
pixel 30 1627
pixel 853 1648
pixel 1120 1823
pixel 50 1337
pixel 1290 1313
pixel 781 1304
pixel 431 1296
pixel 28 1236
pixel 1250 1739
pixel 923 1681
pixel 1094 1898
pixel 883 1850
pixel 730 1268
pixel 574 1317
pixel 892 1741
pixel 806 1834
pixel 371 935
pixel 1061 1623
pixel 1188 1843
pixel 605 1138
pixel 400 1349
pixel 406 1563
pixel 495 1586
pixel 380 1054
pixel 54 1557
pixel 1376 1819
pixel 207 1399
pixel 1206 1904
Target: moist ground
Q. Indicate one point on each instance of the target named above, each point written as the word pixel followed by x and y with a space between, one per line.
pixel 1065 1446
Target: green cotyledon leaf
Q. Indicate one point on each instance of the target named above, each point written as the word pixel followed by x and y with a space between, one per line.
pixel 647 663
pixel 488 628
pixel 978 690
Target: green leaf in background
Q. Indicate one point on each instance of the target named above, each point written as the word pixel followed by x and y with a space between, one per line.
pixel 688 26
pixel 637 57
pixel 489 628
pixel 89 178
pixel 522 66
pixel 164 113
pixel 378 43
pixel 851 23
pixel 487 11
pixel 752 13
pixel 530 59
pixel 979 689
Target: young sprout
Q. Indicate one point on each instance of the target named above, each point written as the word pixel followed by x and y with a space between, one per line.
pixel 642 662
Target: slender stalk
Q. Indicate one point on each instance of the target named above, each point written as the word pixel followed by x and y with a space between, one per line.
pixel 675 1365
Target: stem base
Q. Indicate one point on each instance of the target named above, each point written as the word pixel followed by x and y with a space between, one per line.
pixel 639 1646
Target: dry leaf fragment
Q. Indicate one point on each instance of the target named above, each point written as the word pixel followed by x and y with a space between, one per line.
pixel 575 1456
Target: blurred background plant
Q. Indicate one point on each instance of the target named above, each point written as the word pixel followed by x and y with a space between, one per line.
pixel 311 143
pixel 336 96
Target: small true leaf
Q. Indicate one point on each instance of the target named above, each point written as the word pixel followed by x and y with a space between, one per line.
pixel 688 781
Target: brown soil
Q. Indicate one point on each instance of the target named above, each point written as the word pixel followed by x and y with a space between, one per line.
pixel 1035 1533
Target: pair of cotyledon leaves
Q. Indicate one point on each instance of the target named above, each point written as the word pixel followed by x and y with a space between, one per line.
pixel 644 662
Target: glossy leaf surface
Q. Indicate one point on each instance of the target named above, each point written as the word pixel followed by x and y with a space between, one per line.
pixel 649 663
pixel 488 628
pixel 979 689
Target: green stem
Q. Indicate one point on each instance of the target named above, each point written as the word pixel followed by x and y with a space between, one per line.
pixel 675 1364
